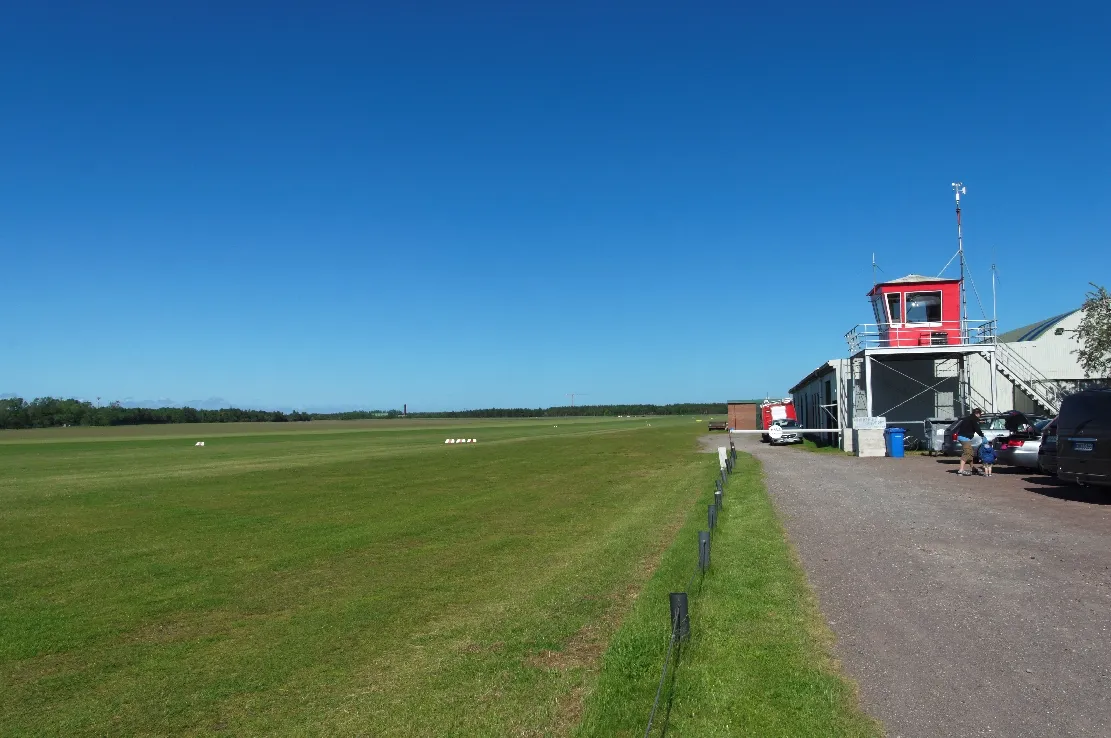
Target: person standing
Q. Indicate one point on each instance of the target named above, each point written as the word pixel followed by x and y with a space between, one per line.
pixel 968 428
pixel 987 457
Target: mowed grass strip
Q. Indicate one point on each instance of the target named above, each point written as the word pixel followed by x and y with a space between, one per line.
pixel 328 584
pixel 758 660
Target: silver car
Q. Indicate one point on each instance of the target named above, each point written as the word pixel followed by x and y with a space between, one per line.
pixel 994 425
pixel 1020 448
pixel 790 434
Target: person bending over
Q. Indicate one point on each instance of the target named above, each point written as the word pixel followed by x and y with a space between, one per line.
pixel 968 428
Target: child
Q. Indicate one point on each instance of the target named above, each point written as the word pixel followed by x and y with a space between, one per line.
pixel 987 457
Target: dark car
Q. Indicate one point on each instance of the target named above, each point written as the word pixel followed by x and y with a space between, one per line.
pixel 1084 438
pixel 1047 450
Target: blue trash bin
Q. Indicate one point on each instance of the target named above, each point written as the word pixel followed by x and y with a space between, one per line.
pixel 894 437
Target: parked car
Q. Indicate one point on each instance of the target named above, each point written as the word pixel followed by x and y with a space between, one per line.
pixel 993 425
pixel 1047 449
pixel 782 422
pixel 790 435
pixel 1021 447
pixel 1084 438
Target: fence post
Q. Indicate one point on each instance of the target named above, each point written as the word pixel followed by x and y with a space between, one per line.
pixel 703 550
pixel 712 515
pixel 679 614
pixel 717 485
pixel 719 499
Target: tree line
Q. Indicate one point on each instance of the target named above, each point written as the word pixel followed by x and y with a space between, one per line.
pixel 52 412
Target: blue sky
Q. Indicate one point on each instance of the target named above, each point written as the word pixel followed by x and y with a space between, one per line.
pixel 472 205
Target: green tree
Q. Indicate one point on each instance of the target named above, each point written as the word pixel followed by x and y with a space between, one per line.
pixel 1094 333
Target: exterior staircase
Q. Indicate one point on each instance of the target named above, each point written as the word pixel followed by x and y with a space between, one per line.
pixel 1040 388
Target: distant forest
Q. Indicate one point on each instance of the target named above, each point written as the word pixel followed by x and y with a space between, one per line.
pixel 51 412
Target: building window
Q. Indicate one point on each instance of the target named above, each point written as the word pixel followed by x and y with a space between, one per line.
pixel 877 310
pixel 923 307
pixel 894 307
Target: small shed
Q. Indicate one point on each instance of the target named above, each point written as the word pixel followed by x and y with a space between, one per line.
pixel 743 415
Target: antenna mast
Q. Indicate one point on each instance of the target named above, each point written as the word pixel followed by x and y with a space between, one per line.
pixel 960 189
pixel 994 318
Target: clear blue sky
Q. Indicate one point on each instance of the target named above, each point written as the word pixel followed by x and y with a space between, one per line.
pixel 476 204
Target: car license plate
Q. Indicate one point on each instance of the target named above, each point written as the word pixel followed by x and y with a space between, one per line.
pixel 1081 446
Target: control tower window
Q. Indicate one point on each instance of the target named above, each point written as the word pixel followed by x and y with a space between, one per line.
pixel 924 307
pixel 894 307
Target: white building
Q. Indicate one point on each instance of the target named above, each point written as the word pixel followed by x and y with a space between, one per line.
pixel 908 372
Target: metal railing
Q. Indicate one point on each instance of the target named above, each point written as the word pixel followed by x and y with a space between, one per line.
pixel 907 335
pixel 1042 388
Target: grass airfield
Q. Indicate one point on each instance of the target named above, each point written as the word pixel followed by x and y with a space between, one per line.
pixel 365 578
pixel 330 578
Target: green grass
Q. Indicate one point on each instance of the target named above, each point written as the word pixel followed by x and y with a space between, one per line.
pixel 331 579
pixel 757 662
pixel 364 578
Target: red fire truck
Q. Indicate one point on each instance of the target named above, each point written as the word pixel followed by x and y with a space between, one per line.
pixel 772 411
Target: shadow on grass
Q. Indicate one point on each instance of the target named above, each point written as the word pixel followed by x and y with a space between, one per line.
pixel 1055 488
pixel 671 690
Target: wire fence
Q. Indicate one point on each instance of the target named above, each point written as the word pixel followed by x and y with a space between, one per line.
pixel 679 601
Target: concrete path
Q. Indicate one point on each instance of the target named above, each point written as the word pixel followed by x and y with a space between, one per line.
pixel 963 606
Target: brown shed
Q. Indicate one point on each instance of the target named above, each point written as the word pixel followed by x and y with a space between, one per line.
pixel 743 415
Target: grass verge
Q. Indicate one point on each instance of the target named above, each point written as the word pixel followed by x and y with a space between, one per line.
pixel 758 660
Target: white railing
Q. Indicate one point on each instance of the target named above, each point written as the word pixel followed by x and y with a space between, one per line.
pixel 907 335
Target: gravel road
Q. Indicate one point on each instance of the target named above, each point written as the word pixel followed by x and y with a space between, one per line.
pixel 963 606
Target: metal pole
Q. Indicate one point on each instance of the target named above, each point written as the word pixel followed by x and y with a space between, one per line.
pixel 868 383
pixel 959 188
pixel 962 396
pixel 994 317
pixel 994 376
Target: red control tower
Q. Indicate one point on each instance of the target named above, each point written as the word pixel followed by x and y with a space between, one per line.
pixel 917 311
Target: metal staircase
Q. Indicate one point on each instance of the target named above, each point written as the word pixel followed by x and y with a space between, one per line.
pixel 1041 389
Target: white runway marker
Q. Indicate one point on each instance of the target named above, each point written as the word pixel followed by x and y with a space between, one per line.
pixel 199 443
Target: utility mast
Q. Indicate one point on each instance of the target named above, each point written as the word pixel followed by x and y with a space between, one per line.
pixel 572 396
pixel 960 189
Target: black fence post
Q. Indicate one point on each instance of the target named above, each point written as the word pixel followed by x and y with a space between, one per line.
pixel 711 515
pixel 680 618
pixel 704 549
pixel 719 499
